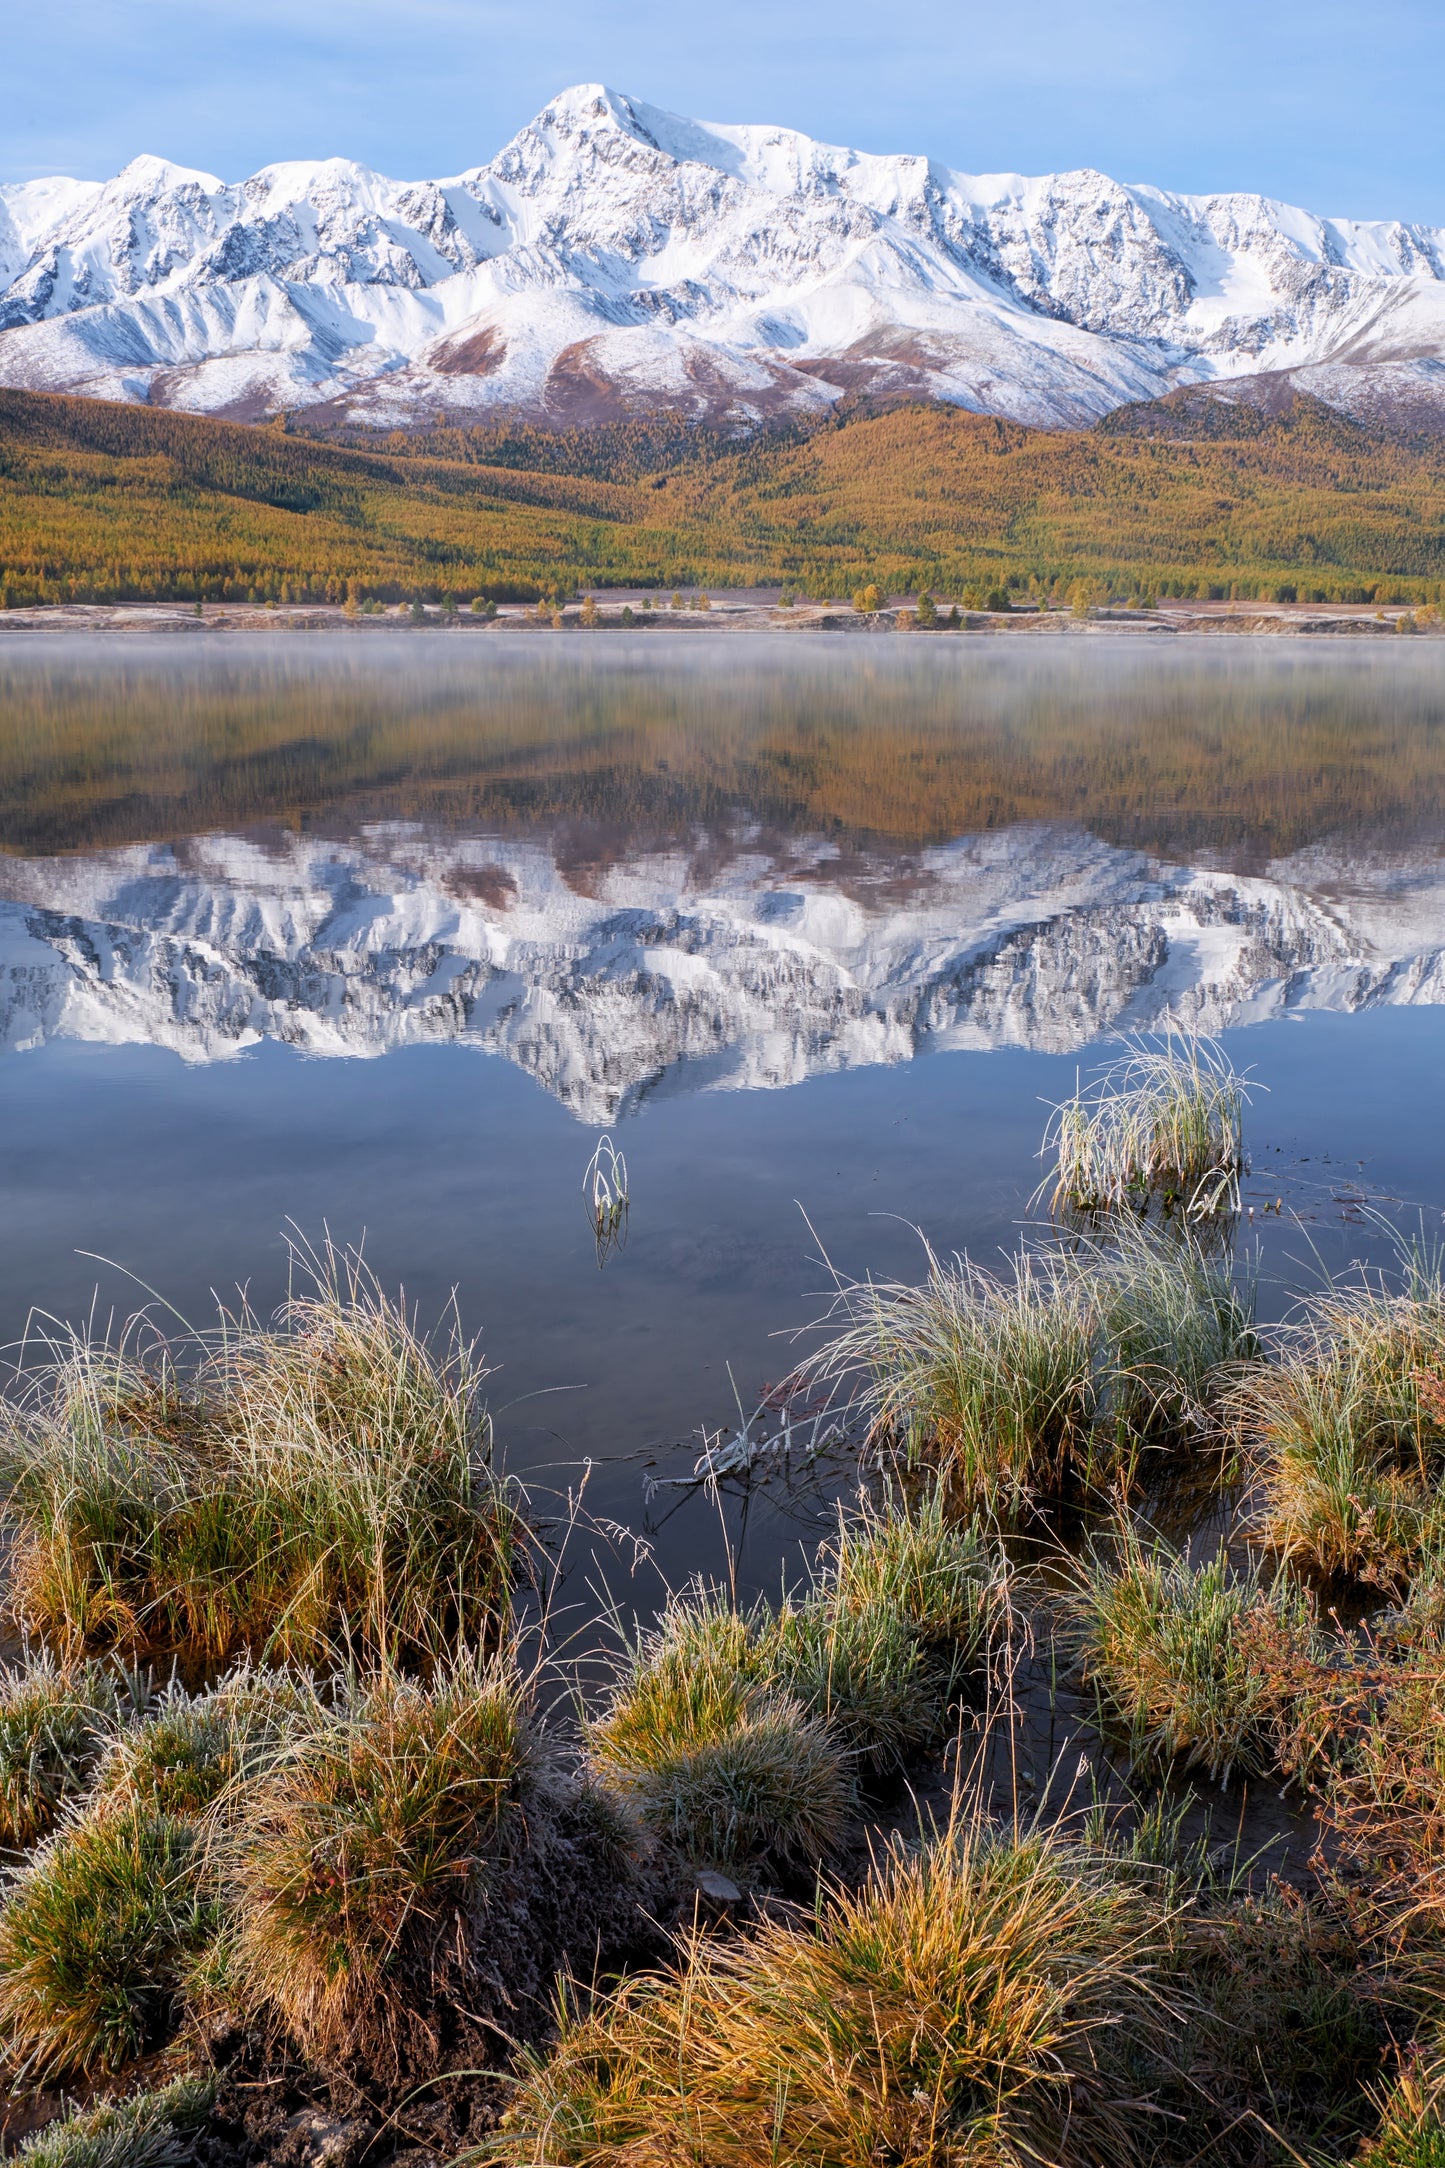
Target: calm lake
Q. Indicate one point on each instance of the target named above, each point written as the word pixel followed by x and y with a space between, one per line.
pixel 379 934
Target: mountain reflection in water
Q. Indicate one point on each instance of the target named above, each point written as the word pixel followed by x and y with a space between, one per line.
pixel 636 864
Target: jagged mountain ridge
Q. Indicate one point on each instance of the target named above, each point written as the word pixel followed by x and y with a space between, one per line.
pixel 614 257
pixel 719 965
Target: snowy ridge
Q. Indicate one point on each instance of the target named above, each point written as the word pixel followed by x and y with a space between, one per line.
pixel 616 258
pixel 763 974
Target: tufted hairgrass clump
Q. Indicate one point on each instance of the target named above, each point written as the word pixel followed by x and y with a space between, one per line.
pixel 309 1493
pixel 148 2130
pixel 986 1385
pixel 362 1844
pixel 415 1849
pixel 55 1719
pixel 193 1752
pixel 741 1736
pixel 95 1933
pixel 1165 1123
pixel 998 1391
pixel 1346 1428
pixel 708 1747
pixel 1196 1661
pixel 971 2004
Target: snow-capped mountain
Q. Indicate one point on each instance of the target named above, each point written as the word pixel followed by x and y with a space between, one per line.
pixel 720 966
pixel 617 258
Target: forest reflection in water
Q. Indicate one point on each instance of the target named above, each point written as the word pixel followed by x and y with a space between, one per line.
pixel 1244 749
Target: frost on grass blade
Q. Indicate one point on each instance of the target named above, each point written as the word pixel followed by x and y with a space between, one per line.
pixel 604 1185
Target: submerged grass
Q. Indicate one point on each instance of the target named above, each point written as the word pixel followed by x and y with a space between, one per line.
pixel 321 1489
pixel 966 2006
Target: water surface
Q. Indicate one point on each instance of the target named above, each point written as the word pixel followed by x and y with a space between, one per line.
pixel 378 936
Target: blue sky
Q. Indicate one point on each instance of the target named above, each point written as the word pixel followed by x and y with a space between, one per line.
pixel 1326 104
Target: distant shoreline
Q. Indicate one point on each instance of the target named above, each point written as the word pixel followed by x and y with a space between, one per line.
pixel 730 613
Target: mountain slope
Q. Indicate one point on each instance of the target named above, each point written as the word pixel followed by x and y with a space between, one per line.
pixel 616 258
pixel 104 502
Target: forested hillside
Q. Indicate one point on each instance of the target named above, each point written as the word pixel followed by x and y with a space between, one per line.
pixel 108 502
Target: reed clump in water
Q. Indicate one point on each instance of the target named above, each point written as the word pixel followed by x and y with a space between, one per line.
pixel 970 2003
pixel 1164 1124
pixel 1006 1390
pixel 320 1488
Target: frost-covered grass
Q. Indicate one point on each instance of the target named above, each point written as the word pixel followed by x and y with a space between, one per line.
pixel 55 1719
pixel 95 1934
pixel 1346 1426
pixel 146 2130
pixel 1164 1123
pixel 1193 1659
pixel 317 1490
pixel 741 1737
pixel 1004 1389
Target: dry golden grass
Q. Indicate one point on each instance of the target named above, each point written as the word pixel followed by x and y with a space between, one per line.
pixel 967 2007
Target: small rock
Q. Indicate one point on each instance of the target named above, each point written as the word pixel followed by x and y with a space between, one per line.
pixel 718 1887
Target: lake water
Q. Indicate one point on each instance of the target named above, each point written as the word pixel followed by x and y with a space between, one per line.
pixel 379 934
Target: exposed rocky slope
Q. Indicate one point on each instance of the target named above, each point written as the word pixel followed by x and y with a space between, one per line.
pixel 617 258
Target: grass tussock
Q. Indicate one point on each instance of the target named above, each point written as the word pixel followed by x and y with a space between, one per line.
pixel 193 1754
pixel 412 1850
pixel 1346 1428
pixel 149 2130
pixel 321 1490
pixel 1165 1123
pixel 1003 1390
pixel 55 1719
pixel 366 1839
pixel 1193 1660
pixel 967 2006
pixel 95 1934
pixel 719 1761
pixel 740 1736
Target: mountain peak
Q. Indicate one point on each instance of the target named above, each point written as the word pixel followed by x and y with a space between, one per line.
pixel 617 258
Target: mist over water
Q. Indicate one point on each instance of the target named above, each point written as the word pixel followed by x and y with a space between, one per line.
pixel 378 934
